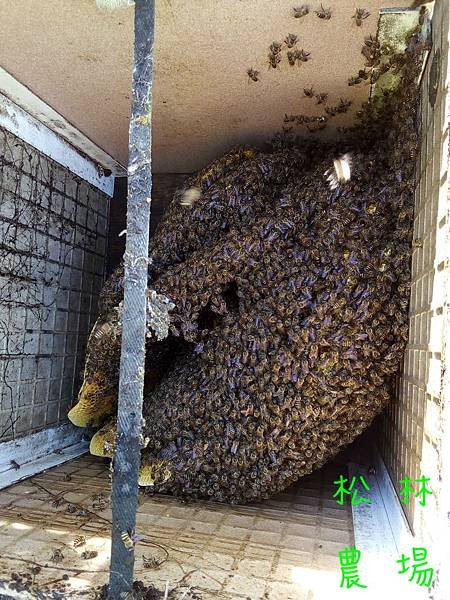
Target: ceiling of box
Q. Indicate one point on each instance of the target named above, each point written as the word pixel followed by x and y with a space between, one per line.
pixel 78 60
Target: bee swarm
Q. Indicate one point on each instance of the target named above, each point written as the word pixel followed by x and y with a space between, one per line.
pixel 290 310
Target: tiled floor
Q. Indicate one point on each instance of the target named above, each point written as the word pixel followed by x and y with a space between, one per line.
pixel 283 549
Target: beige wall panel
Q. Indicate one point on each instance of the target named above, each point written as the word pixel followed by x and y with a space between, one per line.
pixel 78 59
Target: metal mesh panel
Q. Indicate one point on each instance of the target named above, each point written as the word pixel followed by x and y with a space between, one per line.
pixel 410 436
pixel 53 229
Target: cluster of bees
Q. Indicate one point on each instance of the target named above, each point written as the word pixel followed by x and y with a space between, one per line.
pixel 290 310
pixel 294 55
pixel 317 122
pixel 297 56
pixel 325 13
pixel 374 67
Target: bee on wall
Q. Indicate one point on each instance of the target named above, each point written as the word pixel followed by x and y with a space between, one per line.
pixel 363 74
pixel 323 13
pixel 343 105
pixel 274 60
pixel 253 74
pixel 275 47
pixel 360 15
pixel 321 98
pixel 309 92
pixel 303 56
pixel 300 11
pixel 354 81
pixel 290 40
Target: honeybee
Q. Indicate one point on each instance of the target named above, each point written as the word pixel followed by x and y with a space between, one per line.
pixel 309 92
pixel 57 556
pixel 292 57
pixel 150 562
pixel 274 60
pixel 275 47
pixel 127 541
pixel 303 56
pixel 300 11
pixel 323 13
pixel 317 126
pixel 88 554
pixel 354 81
pixel 321 98
pixel 80 540
pixel 253 74
pixel 343 105
pixel 360 15
pixel 290 40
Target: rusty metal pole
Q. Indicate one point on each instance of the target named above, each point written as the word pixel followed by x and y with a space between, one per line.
pixel 132 359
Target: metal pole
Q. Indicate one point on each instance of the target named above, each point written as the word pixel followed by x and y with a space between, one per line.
pixel 132 360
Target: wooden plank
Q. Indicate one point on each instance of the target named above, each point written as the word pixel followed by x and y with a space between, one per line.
pixel 17 121
pixel 39 451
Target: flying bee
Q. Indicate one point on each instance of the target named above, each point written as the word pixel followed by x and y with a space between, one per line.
pixel 300 11
pixel 309 92
pixel 253 74
pixel 15 465
pixel 290 40
pixel 323 13
pixel 275 47
pixel 274 60
pixel 188 198
pixel 321 98
pixel 360 15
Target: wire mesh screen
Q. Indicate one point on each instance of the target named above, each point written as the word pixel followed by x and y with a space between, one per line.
pixel 53 229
